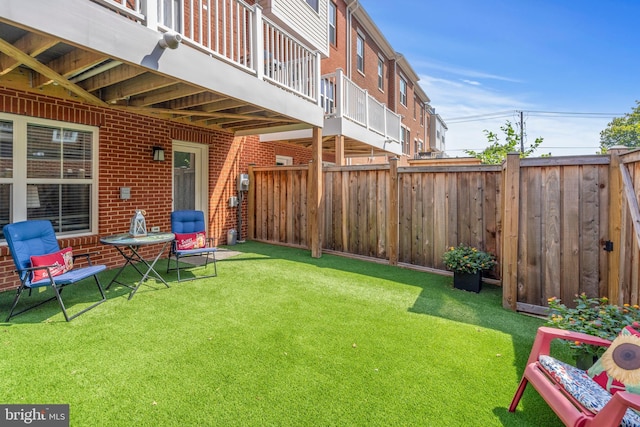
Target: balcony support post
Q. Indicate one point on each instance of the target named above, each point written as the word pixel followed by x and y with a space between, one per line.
pixel 339 141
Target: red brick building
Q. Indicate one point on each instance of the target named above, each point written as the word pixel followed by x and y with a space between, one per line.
pixel 90 96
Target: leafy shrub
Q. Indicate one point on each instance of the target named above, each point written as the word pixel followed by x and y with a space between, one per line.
pixel 467 259
pixel 593 316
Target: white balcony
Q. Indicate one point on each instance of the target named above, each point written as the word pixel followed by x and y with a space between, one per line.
pixel 227 65
pixel 366 124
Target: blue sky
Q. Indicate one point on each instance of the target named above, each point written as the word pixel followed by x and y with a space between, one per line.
pixel 493 56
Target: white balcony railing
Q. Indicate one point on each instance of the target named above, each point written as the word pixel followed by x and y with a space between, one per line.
pixel 233 31
pixel 341 97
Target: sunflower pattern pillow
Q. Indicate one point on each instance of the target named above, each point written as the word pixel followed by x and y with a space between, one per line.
pixel 619 367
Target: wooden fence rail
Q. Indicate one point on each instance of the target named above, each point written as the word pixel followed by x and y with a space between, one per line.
pixel 550 221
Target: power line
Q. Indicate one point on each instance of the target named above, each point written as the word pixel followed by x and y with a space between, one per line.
pixel 533 113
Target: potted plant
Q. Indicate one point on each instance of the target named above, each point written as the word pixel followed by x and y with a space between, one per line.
pixel 467 264
pixel 593 316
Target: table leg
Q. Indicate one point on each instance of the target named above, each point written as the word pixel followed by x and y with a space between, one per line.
pixel 128 260
pixel 150 268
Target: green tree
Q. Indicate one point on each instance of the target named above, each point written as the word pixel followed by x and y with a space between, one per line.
pixel 496 152
pixel 622 131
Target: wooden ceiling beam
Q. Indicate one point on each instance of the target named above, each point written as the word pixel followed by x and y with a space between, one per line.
pixel 194 100
pixel 110 77
pixel 69 64
pixel 32 44
pixel 39 67
pixel 164 94
pixel 135 86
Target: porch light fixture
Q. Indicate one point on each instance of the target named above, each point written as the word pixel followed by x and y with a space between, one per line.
pixel 158 154
pixel 170 40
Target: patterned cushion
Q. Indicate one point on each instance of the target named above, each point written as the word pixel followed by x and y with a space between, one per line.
pixel 186 241
pixel 62 261
pixel 607 377
pixel 585 390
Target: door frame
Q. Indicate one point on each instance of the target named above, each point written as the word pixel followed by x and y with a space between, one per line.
pixel 201 152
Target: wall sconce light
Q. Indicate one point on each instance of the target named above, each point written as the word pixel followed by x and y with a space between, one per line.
pixel 158 154
pixel 170 40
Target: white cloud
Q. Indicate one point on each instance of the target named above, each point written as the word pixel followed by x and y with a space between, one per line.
pixel 465 72
pixel 472 108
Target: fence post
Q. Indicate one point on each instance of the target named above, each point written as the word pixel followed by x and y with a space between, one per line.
pixel 251 205
pixel 392 226
pixel 315 195
pixel 615 221
pixel 510 234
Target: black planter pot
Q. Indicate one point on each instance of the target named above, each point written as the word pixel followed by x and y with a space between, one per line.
pixel 471 282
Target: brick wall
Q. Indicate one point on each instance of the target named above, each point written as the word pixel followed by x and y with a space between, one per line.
pixel 125 160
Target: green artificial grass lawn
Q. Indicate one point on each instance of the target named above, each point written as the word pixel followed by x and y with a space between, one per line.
pixel 278 338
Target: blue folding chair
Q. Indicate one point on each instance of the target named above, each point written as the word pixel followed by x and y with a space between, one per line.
pixel 190 226
pixel 36 238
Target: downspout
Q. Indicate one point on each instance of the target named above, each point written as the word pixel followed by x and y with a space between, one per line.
pixel 351 8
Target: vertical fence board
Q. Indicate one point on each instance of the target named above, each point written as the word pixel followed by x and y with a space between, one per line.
pixel 381 213
pixel 551 229
pixel 589 234
pixel 452 210
pixel 439 219
pixel 524 236
pixel 570 260
pixel 298 206
pixel 416 219
pixel 428 224
pixel 344 192
pixel 533 228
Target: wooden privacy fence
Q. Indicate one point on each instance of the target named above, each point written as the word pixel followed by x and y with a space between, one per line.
pixel 558 226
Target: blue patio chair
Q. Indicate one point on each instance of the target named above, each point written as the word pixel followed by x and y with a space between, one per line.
pixel 35 252
pixel 191 240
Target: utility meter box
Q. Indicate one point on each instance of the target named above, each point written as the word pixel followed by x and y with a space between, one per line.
pixel 243 182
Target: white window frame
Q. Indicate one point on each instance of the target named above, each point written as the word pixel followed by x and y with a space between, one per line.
pixel 19 179
pixel 170 14
pixel 333 23
pixel 403 91
pixel 381 74
pixel 360 52
pixel 284 160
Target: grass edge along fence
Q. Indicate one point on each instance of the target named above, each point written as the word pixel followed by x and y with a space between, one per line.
pixel 559 226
